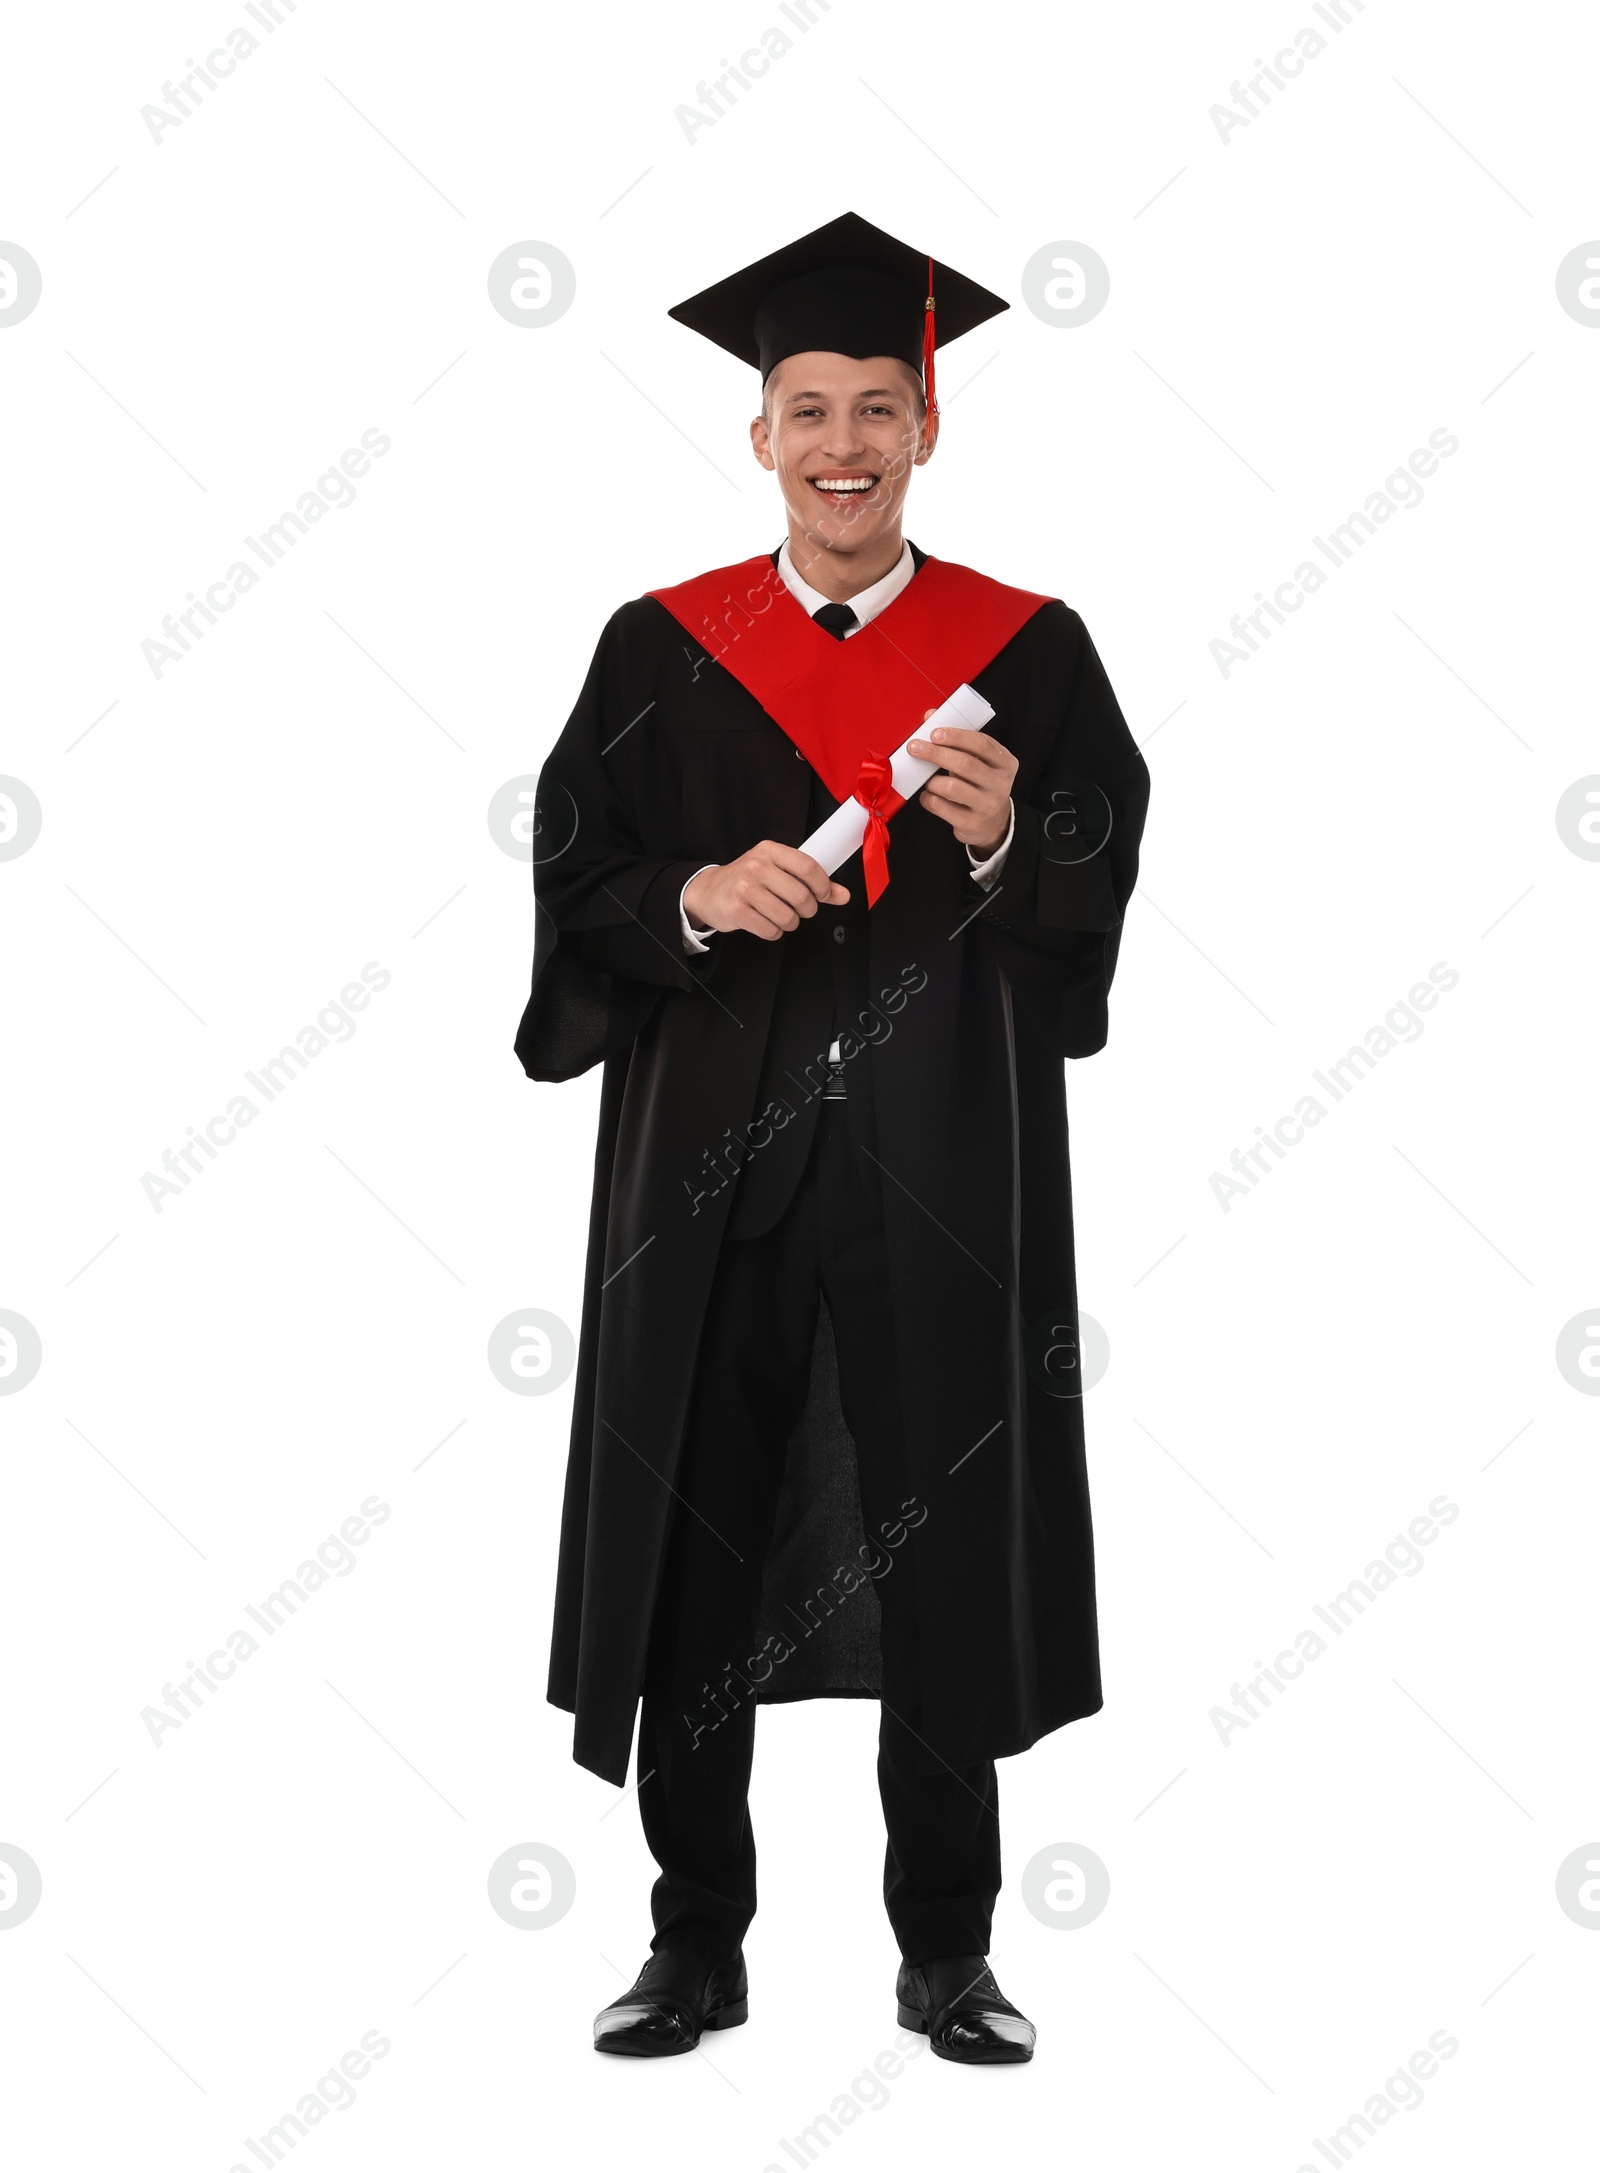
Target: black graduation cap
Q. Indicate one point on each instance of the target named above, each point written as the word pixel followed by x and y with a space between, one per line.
pixel 847 288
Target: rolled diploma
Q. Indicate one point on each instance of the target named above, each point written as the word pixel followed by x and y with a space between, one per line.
pixel 834 841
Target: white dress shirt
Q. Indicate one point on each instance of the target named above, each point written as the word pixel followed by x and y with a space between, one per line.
pixel 866 606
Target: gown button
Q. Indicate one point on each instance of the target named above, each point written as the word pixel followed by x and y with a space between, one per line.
pixel 838 935
pixel 799 757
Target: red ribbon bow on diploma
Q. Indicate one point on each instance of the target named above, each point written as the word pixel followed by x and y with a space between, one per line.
pixel 876 793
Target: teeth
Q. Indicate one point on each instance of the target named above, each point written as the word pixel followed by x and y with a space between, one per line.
pixel 844 483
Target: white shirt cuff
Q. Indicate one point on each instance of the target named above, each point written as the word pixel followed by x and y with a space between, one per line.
pixel 692 937
pixel 987 872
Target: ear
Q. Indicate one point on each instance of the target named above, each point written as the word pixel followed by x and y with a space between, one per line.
pixel 761 442
pixel 929 437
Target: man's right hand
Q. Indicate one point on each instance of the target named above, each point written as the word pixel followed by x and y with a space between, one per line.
pixel 768 891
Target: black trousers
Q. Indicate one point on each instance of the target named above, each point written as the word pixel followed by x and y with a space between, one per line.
pixel 942 1863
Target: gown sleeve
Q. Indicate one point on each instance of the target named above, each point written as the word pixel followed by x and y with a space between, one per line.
pixel 1055 916
pixel 607 938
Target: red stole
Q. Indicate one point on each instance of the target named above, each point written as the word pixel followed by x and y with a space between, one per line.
pixel 848 705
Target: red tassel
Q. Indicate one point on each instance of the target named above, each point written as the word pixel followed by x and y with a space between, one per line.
pixel 927 350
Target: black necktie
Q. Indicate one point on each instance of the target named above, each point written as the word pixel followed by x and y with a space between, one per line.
pixel 835 619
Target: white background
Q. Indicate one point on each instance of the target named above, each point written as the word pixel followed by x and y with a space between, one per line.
pixel 1293 311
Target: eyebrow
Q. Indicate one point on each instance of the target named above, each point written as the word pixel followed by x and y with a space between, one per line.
pixel 872 392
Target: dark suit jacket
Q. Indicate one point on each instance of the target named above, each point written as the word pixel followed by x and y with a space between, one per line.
pixel 823 991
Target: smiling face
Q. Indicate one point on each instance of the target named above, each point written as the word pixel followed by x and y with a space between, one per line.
pixel 842 437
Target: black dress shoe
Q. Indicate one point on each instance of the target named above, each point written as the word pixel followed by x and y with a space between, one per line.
pixel 678 1993
pixel 963 2012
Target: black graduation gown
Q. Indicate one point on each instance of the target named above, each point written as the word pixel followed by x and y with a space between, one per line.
pixel 667 763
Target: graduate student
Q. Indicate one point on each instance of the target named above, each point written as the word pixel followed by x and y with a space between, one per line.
pixel 828 1435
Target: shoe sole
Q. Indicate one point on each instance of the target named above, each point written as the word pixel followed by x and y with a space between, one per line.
pixel 1001 2056
pixel 725 2018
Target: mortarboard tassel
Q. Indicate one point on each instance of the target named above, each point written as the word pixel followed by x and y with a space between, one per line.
pixel 927 350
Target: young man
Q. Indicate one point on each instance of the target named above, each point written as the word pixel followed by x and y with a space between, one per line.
pixel 827 1437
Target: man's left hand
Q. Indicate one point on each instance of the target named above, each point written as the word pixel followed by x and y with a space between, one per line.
pixel 973 792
